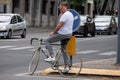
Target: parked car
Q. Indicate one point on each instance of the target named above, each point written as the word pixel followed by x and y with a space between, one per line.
pixel 86 27
pixel 105 24
pixel 12 25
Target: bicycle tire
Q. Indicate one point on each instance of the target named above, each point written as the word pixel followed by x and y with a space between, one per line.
pixel 75 64
pixel 34 62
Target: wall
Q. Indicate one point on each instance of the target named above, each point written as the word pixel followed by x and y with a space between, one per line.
pixel 6 6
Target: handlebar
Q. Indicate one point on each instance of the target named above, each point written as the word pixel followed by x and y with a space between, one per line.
pixel 32 40
pixel 42 41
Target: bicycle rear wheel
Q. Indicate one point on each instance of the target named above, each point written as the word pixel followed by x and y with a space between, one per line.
pixel 75 66
pixel 34 62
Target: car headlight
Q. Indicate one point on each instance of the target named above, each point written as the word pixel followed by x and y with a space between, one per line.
pixel 4 28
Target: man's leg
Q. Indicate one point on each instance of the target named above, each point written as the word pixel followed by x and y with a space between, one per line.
pixel 65 56
pixel 50 40
pixel 55 38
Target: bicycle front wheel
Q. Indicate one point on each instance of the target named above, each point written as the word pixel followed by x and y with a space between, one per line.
pixel 75 66
pixel 34 62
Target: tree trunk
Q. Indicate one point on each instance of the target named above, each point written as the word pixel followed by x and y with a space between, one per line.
pixel 104 7
pixel 113 3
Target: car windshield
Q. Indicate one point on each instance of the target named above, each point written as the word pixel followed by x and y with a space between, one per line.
pixel 102 19
pixel 4 18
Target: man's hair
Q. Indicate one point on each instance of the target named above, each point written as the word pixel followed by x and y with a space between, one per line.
pixel 64 3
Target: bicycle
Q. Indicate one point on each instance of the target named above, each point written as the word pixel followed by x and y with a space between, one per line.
pixel 75 62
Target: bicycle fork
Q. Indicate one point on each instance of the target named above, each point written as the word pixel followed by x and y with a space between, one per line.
pixel 55 64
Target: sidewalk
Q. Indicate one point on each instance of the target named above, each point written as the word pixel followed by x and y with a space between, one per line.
pixel 105 67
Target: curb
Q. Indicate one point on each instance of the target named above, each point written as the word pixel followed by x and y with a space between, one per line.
pixel 88 71
pixel 105 67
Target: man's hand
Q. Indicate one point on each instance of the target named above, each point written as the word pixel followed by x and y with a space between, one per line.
pixel 52 33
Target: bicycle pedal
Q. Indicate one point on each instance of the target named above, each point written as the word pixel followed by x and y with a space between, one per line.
pixel 54 67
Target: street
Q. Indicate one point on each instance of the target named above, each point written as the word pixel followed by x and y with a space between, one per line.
pixel 16 52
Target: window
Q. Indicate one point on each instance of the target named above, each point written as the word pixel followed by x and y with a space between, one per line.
pixel 15 6
pixel 19 19
pixel 52 7
pixel 44 4
pixel 13 20
pixel 27 6
pixel 16 3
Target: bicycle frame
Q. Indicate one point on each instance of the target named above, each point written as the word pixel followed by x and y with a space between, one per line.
pixel 54 64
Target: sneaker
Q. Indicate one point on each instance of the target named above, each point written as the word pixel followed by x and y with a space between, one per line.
pixel 50 59
pixel 66 70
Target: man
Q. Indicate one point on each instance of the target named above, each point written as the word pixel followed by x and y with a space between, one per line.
pixel 62 31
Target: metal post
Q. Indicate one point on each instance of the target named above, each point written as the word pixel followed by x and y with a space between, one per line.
pixel 118 49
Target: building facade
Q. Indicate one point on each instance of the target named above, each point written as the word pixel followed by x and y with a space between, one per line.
pixel 5 6
pixel 36 12
pixel 44 13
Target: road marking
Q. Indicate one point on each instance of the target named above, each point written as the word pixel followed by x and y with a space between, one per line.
pixel 95 38
pixel 109 53
pixel 22 74
pixel 98 51
pixel 100 60
pixel 20 48
pixel 16 39
pixel 2 47
pixel 77 50
pixel 87 51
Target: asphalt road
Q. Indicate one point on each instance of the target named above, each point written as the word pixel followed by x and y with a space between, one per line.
pixel 16 52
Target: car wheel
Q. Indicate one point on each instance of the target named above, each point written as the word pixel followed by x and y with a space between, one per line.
pixel 92 34
pixel 115 32
pixel 110 31
pixel 85 34
pixel 23 34
pixel 2 37
pixel 9 34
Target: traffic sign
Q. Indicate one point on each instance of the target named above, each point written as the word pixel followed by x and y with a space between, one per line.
pixel 77 20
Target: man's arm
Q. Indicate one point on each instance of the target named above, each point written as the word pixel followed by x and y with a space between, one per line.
pixel 60 24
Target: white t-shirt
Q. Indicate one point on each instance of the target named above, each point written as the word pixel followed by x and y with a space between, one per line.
pixel 67 28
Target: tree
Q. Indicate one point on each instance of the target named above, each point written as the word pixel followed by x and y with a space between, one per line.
pixel 77 4
pixel 112 8
pixel 104 7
